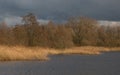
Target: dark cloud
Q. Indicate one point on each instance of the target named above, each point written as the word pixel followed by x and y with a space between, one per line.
pixel 62 9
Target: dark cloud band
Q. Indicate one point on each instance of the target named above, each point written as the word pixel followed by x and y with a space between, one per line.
pixel 62 9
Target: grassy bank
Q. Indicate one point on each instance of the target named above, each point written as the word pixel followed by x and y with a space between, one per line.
pixel 36 53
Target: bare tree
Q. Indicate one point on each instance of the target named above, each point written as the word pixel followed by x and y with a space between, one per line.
pixel 85 31
pixel 31 25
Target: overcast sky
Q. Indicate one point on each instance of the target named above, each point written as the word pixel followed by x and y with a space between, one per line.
pixel 61 9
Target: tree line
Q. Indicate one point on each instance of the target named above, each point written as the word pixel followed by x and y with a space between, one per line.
pixel 77 31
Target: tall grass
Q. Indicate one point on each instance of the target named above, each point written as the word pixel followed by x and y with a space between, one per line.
pixel 8 53
pixel 36 42
pixel 21 53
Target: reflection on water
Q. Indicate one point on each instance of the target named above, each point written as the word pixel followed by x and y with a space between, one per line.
pixel 105 64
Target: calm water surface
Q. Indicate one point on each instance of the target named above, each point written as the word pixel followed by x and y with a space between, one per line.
pixel 105 64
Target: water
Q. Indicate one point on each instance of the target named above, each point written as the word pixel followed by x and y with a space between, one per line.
pixel 105 64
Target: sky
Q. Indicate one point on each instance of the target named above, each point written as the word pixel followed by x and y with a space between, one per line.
pixel 59 10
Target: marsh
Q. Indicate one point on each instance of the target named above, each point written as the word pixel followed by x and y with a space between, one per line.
pixel 103 64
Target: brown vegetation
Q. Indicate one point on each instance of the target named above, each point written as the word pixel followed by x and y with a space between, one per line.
pixel 81 31
pixel 64 38
pixel 8 53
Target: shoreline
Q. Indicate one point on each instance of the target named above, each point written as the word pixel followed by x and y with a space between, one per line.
pixel 20 53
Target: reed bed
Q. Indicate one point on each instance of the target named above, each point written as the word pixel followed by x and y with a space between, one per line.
pixel 11 53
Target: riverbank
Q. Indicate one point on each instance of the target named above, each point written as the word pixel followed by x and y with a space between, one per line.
pixel 9 53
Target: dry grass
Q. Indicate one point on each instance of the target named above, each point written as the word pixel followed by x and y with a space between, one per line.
pixel 36 53
pixel 88 50
pixel 21 53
